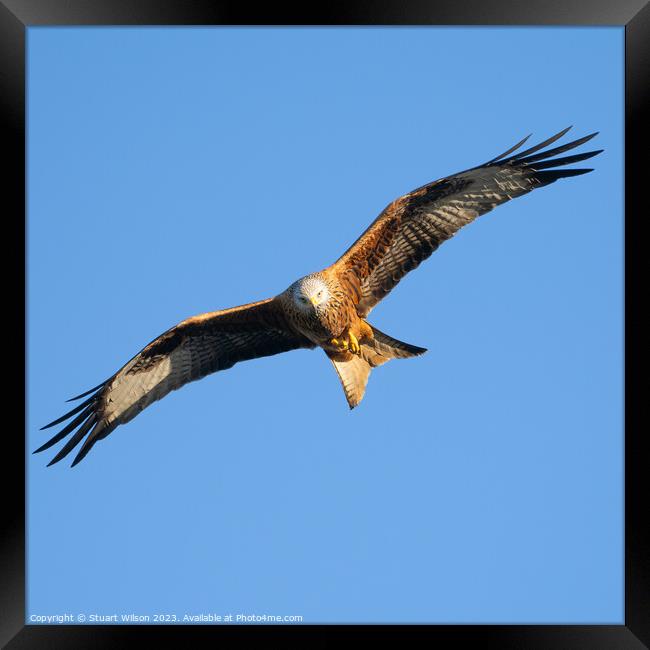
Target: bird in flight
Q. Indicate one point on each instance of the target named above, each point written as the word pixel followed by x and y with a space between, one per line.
pixel 327 309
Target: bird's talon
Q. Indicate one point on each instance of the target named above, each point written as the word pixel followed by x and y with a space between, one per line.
pixel 349 344
pixel 355 348
pixel 342 345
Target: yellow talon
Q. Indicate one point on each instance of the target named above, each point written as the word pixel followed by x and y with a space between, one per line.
pixel 355 348
pixel 350 344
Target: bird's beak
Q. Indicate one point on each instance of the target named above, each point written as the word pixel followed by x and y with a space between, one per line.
pixel 314 301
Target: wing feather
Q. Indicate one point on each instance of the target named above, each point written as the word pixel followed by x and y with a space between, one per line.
pixel 412 227
pixel 189 351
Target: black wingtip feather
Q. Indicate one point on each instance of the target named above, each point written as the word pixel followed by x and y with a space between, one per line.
pixel 77 459
pixel 67 429
pixel 92 390
pixel 567 160
pixel 75 440
pixel 553 152
pixel 539 146
pixel 509 151
pixel 85 420
pixel 90 441
pixel 554 174
pixel 69 414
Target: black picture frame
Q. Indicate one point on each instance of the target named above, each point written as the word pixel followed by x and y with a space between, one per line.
pixel 17 15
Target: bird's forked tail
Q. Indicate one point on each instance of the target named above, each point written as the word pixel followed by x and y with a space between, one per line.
pixel 354 370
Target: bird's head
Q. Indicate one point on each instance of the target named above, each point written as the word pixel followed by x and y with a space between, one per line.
pixel 310 293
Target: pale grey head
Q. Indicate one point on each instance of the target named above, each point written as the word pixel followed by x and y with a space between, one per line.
pixel 310 293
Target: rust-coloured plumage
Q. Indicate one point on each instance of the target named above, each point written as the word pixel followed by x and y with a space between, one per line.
pixel 326 309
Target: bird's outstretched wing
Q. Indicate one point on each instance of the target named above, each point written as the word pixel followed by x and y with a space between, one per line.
pixel 414 225
pixel 191 350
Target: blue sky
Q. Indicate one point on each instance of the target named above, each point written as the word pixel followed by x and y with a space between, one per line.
pixel 177 171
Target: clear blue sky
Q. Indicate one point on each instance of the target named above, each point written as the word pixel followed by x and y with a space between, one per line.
pixel 177 171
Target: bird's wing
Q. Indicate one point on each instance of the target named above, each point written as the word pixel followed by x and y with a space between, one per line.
pixel 191 350
pixel 414 225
